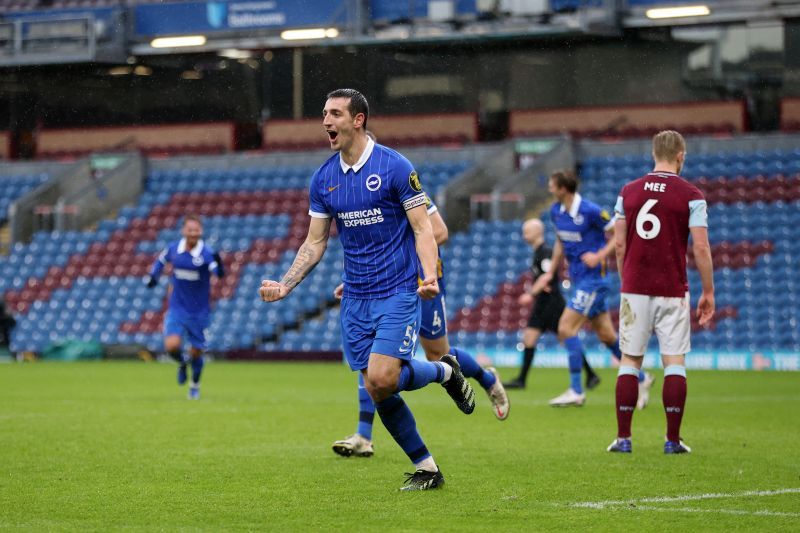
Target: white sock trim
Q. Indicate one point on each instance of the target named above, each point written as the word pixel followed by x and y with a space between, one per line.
pixel 448 372
pixel 625 370
pixel 675 370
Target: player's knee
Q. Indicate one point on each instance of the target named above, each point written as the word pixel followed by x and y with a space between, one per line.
pixel 380 385
pixel 564 332
pixel 172 344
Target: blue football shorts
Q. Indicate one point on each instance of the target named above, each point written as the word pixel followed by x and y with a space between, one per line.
pixel 387 326
pixel 434 318
pixel 588 300
pixel 187 327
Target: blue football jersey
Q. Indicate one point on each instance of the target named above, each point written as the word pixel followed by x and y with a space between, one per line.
pixel 191 277
pixel 369 202
pixel 582 230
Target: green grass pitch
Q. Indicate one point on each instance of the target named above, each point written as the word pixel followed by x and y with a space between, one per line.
pixel 108 446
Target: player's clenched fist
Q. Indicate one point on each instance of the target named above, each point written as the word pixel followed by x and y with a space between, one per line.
pixel 272 291
pixel 429 288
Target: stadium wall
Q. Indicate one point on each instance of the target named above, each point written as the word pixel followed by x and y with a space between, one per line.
pixel 790 114
pixel 698 360
pixel 191 137
pixel 696 116
pixel 401 129
pixel 5 145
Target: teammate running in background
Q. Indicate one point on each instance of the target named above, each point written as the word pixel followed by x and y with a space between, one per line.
pixel 581 228
pixel 655 215
pixel 548 308
pixel 434 340
pixel 189 303
pixel 376 197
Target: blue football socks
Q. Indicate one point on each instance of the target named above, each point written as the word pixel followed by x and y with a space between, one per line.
pixel 366 410
pixel 398 420
pixel 415 374
pixel 471 369
pixel 197 368
pixel 575 352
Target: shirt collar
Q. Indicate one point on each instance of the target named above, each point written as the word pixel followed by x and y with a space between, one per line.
pixel 361 160
pixel 194 252
pixel 576 204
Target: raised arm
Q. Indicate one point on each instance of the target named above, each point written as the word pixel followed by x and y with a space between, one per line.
pixel 702 259
pixel 426 250
pixel 309 254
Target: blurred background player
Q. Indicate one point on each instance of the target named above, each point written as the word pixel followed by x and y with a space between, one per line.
pixel 189 302
pixel 434 340
pixel 380 209
pixel 655 215
pixel 581 228
pixel 548 307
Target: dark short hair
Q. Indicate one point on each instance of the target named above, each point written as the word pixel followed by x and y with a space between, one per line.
pixel 565 179
pixel 358 103
pixel 192 217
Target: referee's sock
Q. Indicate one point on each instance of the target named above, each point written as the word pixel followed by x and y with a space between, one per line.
pixel 415 374
pixel 471 369
pixel 527 360
pixel 575 351
pixel 366 410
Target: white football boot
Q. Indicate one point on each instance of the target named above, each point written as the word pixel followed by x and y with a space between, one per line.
pixel 353 445
pixel 569 397
pixel 497 395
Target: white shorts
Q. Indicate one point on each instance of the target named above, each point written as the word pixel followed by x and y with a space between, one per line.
pixel 640 315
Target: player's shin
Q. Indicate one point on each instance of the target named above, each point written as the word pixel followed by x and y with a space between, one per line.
pixel 197 368
pixel 471 369
pixel 627 393
pixel 575 353
pixel 400 423
pixel 674 397
pixel 366 410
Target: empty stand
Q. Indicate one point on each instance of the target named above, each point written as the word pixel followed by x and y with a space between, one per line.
pixel 90 285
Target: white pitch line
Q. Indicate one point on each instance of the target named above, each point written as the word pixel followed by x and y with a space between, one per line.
pixel 762 512
pixel 684 498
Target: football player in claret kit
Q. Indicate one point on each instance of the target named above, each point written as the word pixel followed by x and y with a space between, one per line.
pixel 581 228
pixel 434 340
pixel 655 216
pixel 189 303
pixel 378 203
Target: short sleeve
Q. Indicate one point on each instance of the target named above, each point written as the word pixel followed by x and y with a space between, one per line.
pixel 316 206
pixel 698 214
pixel 698 209
pixel 407 185
pixel 619 209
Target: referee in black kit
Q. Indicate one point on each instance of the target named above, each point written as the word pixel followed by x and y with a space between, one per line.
pixel 548 307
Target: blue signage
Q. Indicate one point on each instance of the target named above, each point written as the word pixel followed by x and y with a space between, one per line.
pixel 394 10
pixel 225 16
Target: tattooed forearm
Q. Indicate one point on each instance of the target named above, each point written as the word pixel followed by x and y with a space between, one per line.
pixel 307 258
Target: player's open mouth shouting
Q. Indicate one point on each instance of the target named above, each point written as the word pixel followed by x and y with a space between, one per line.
pixel 332 135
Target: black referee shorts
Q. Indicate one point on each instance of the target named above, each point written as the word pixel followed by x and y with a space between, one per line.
pixel 546 314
